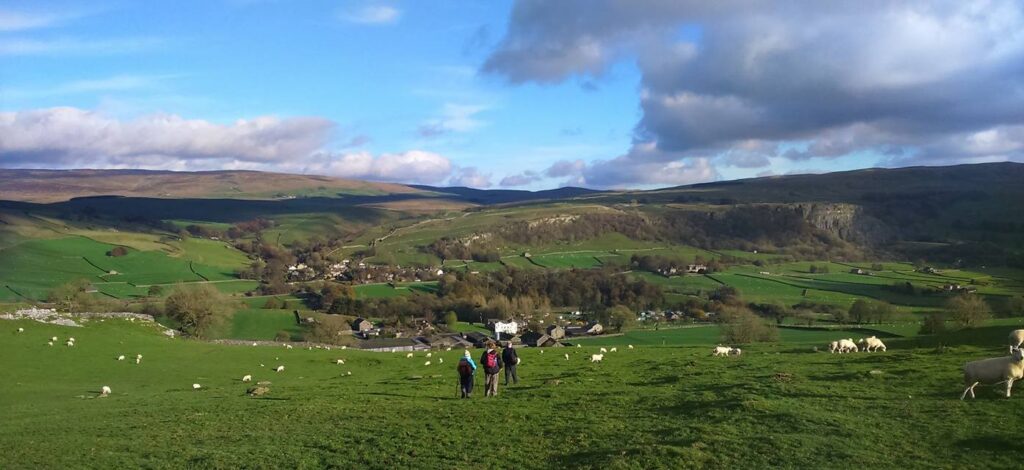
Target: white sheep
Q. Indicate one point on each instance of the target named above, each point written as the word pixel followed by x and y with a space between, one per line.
pixel 254 344
pixel 429 354
pixel 138 358
pixel 21 330
pixel 344 348
pixel 1017 338
pixel 567 357
pixel 449 348
pixel 196 386
pixel 340 362
pixel 70 343
pixel 721 351
pixel 426 363
pixel 847 345
pixel 833 347
pixel 121 357
pixel 440 360
pixel 630 346
pixel 279 369
pixel 49 343
pixel 247 378
pixel 994 371
pixel 873 344
pixel 54 339
pixel 288 346
pixel 348 373
pixel 542 351
pixel 614 349
pixel 603 350
pixel 579 345
pixel 736 352
pixel 408 356
pixel 596 357
pixel 104 391
pixel 71 339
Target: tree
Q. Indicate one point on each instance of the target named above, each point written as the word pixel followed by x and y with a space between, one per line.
pixel 155 291
pixel 741 326
pixel 451 318
pixel 968 311
pixel 117 251
pixel 198 308
pixel 621 317
pixel 934 323
pixel 860 311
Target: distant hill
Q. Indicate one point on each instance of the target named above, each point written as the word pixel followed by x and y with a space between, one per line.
pixel 62 185
pixel 504 196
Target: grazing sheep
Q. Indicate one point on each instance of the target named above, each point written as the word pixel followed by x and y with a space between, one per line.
pixel 344 348
pixel 721 351
pixel 542 351
pixel 246 378
pixel 1017 338
pixel 449 348
pixel 426 363
pixel 196 386
pixel 104 391
pixel 21 330
pixel 288 346
pixel 603 350
pixel 49 343
pixel 440 360
pixel 138 358
pixel 348 373
pixel 630 346
pixel 579 345
pixel 833 347
pixel 408 356
pixel 254 344
pixel 614 350
pixel 121 357
pixel 567 357
pixel 596 357
pixel 54 339
pixel 72 339
pixel 340 362
pixel 847 345
pixel 994 371
pixel 429 354
pixel 736 352
pixel 873 344
pixel 279 369
pixel 70 343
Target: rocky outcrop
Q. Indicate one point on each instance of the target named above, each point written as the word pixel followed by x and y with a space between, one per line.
pixel 849 222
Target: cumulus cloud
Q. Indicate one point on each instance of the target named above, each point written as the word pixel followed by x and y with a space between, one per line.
pixel 521 179
pixel 471 177
pixel 76 138
pixel 643 165
pixel 372 15
pixel 908 80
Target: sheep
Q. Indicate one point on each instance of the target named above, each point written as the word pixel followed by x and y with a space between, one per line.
pixel 542 351
pixel 121 357
pixel 604 351
pixel 833 347
pixel 440 360
pixel 54 339
pixel 49 343
pixel 288 346
pixel 138 358
pixel 279 369
pixel 70 343
pixel 735 352
pixel 340 362
pixel 579 345
pixel 344 348
pixel 408 356
pixel 196 386
pixel 21 330
pixel 246 378
pixel 847 345
pixel 1017 338
pixel 449 348
pixel 426 363
pixel 72 339
pixel 429 354
pixel 872 343
pixel 567 357
pixel 596 357
pixel 614 349
pixel 721 351
pixel 348 373
pixel 327 348
pixel 104 391
pixel 630 346
pixel 254 344
pixel 994 371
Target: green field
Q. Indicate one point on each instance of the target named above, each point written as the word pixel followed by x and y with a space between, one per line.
pixel 262 324
pixel 653 407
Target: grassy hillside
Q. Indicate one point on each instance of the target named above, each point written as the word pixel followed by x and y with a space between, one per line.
pixel 669 406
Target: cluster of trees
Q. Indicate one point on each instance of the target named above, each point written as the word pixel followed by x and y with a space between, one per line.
pixel 451 248
pixel 76 296
pixel 238 230
pixel 117 251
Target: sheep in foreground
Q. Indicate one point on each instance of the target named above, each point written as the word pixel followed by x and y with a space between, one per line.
pixel 279 369
pixel 1016 338
pixel 121 357
pixel 196 386
pixel 994 371
pixel 104 391
pixel 873 344
pixel 596 357
pixel 847 345
pixel 833 347
pixel 735 352
pixel 721 351
pixel 246 378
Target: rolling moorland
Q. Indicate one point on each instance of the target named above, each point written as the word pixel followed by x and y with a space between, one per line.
pixel 787 248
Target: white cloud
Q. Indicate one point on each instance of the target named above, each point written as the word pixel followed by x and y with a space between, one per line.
pixel 372 15
pixel 521 179
pixel 72 46
pixel 471 177
pixel 414 166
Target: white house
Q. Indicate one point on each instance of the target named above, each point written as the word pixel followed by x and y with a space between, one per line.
pixel 510 328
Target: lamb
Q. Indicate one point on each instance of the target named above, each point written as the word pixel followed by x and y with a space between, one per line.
pixel 596 357
pixel 721 351
pixel 121 357
pixel 340 362
pixel 246 378
pixel 872 343
pixel 735 352
pixel 196 386
pixel 408 356
pixel 603 350
pixel 994 371
pixel 21 330
pixel 279 369
pixel 1017 338
pixel 54 339
pixel 630 346
pixel 426 363
pixel 567 357
pixel 104 391
pixel 614 349
pixel 49 343
pixel 440 360
pixel 429 354
pixel 70 343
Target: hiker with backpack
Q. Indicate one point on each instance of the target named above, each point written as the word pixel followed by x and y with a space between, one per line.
pixel 491 361
pixel 511 360
pixel 466 368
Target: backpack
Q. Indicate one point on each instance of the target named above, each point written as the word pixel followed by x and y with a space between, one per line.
pixel 492 360
pixel 464 368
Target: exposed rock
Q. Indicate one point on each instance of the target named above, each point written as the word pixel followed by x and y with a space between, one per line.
pixel 257 391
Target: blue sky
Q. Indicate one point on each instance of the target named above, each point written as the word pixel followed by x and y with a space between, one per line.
pixel 501 93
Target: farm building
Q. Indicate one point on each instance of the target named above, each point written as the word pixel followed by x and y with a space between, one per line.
pixel 476 338
pixel 392 344
pixel 539 340
pixel 696 268
pixel 361 325
pixel 556 332
pixel 588 329
pixel 510 328
pixel 450 341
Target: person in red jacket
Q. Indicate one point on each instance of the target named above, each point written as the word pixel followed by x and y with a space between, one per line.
pixel 491 362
